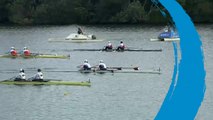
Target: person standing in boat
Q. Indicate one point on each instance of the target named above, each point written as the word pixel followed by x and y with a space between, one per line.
pixel 38 76
pixel 121 46
pixel 21 76
pixel 109 46
pixel 13 51
pixel 26 51
pixel 86 65
pixel 80 31
pixel 102 65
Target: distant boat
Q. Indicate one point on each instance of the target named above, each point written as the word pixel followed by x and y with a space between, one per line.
pixel 80 37
pixel 169 34
pixel 76 38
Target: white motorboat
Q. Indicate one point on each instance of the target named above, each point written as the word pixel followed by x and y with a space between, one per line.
pixel 76 38
pixel 80 37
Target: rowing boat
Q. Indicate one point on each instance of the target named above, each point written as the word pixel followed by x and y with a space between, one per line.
pixel 37 56
pixel 121 71
pixel 49 82
pixel 110 71
pixel 114 50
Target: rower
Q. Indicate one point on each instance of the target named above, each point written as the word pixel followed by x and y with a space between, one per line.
pixel 38 76
pixel 80 31
pixel 109 46
pixel 26 51
pixel 102 65
pixel 13 51
pixel 21 76
pixel 86 65
pixel 121 46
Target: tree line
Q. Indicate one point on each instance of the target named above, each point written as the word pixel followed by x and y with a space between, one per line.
pixel 95 11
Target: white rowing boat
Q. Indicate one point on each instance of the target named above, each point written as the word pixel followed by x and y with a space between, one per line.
pixel 120 70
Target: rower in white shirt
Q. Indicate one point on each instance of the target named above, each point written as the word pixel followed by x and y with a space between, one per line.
pixel 121 46
pixel 21 76
pixel 102 65
pixel 38 76
pixel 86 65
pixel 109 46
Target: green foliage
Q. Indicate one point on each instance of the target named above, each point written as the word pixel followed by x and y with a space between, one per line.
pixel 21 11
pixel 133 14
pixel 108 8
pixel 3 11
pixel 95 11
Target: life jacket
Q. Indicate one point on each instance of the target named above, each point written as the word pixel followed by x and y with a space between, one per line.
pixel 27 53
pixel 13 52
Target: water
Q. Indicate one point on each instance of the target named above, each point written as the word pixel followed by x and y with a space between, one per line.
pixel 111 96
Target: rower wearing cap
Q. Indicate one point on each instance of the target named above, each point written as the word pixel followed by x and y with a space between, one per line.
pixel 109 46
pixel 38 76
pixel 13 51
pixel 26 51
pixel 21 76
pixel 121 46
pixel 102 65
pixel 86 65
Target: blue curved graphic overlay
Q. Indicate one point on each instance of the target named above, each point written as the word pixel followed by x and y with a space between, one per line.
pixel 187 88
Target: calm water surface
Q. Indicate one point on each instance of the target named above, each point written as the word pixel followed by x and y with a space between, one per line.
pixel 116 96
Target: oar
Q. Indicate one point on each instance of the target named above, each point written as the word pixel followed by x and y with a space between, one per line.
pixel 11 79
pixel 30 79
pixel 79 66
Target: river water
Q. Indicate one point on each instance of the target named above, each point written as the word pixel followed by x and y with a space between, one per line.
pixel 117 96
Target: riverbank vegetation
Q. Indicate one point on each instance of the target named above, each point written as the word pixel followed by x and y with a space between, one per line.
pixel 33 12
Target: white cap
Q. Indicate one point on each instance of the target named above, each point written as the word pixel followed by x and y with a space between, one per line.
pixel 25 48
pixel 21 70
pixel 101 61
pixel 12 48
pixel 85 61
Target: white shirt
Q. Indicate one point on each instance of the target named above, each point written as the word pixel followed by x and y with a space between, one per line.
pixel 102 64
pixel 21 76
pixel 39 76
pixel 25 51
pixel 121 45
pixel 12 50
pixel 87 64
pixel 109 45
